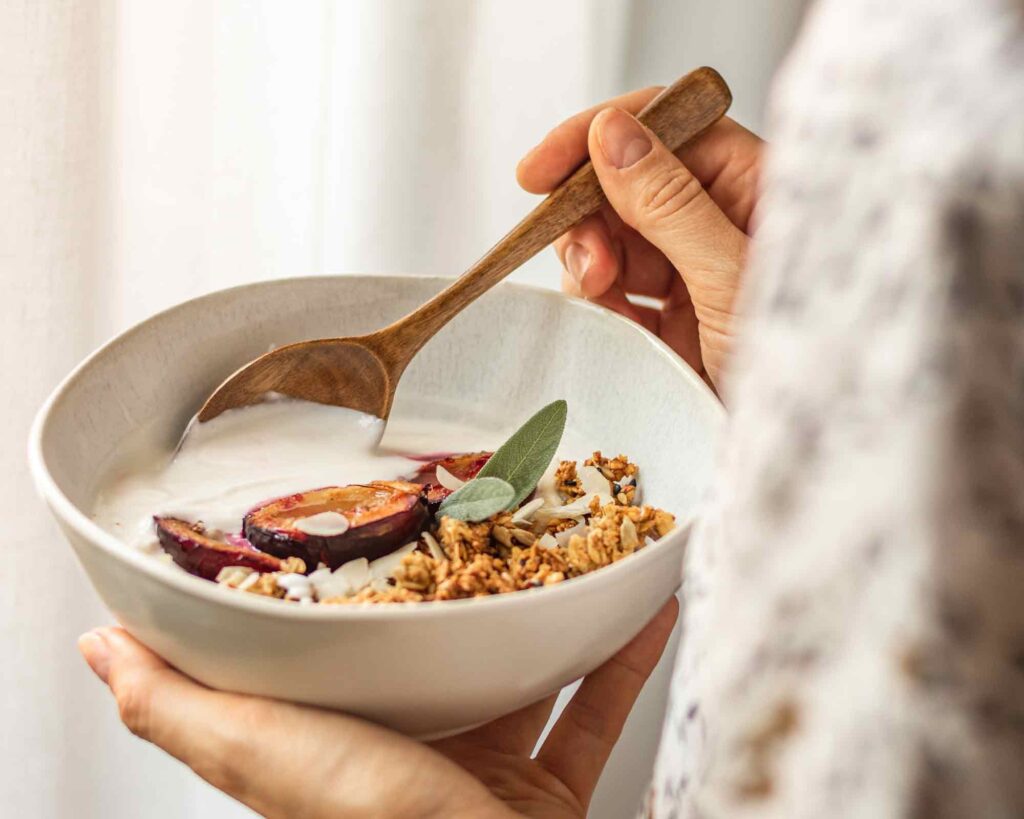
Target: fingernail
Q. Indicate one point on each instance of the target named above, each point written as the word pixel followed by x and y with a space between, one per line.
pixel 96 651
pixel 577 260
pixel 622 138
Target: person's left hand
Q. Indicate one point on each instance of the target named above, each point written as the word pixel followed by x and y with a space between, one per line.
pixel 288 760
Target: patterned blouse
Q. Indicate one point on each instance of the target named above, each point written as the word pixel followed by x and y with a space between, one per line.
pixel 854 621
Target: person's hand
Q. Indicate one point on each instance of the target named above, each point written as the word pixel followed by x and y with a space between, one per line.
pixel 675 229
pixel 287 760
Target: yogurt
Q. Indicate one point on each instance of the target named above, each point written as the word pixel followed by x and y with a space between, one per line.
pixel 246 456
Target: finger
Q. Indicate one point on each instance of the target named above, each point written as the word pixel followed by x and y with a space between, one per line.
pixel 266 753
pixel 569 285
pixel 195 725
pixel 646 271
pixel 648 317
pixel 656 194
pixel 240 745
pixel 726 158
pixel 515 734
pixel 579 744
pixel 589 256
pixel 616 300
pixel 565 147
pixel 145 687
pixel 678 327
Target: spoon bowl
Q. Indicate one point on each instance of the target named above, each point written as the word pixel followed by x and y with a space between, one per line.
pixel 349 369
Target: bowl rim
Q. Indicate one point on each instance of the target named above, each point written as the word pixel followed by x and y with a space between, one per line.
pixel 90 531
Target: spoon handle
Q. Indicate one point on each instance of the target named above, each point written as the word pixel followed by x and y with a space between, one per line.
pixel 676 115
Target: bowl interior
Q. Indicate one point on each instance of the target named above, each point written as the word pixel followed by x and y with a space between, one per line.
pixel 514 350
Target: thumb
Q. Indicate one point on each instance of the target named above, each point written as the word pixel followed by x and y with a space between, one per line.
pixel 655 194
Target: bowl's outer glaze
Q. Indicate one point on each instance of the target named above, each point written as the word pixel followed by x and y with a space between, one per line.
pixel 427 669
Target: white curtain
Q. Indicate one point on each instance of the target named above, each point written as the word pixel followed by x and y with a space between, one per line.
pixel 153 151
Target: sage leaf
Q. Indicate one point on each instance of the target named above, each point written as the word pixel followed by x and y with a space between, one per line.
pixel 524 457
pixel 478 499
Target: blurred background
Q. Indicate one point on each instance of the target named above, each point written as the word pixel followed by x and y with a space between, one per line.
pixel 151 152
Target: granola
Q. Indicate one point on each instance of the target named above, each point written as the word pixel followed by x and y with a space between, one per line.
pixel 535 545
pixel 567 482
pixel 614 469
pixel 621 472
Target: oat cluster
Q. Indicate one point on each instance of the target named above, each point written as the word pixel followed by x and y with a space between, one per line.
pixel 540 544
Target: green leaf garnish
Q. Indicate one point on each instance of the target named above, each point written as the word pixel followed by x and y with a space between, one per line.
pixel 478 499
pixel 523 458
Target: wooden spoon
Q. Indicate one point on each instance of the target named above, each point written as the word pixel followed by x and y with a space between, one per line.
pixel 362 373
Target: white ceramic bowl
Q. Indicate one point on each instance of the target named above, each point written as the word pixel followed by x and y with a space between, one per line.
pixel 426 669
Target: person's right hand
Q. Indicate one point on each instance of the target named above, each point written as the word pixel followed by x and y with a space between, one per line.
pixel 676 227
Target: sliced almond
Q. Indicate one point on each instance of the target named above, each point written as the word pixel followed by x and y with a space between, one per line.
pixel 323 524
pixel 502 535
pixel 523 537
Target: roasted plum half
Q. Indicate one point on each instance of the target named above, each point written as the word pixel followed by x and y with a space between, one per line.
pixel 336 524
pixel 197 552
pixel 464 467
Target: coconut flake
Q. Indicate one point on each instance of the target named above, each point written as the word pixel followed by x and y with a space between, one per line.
pixel 296 586
pixel 592 482
pixel 448 480
pixel 433 546
pixel 546 486
pixel 349 578
pixel 547 541
pixel 563 537
pixel 384 567
pixel 526 512
pixel 579 507
pixel 323 524
pixel 319 575
pixel 570 510
pixel 628 534
pixel 233 574
pixel 356 573
pixel 249 582
pixel 292 580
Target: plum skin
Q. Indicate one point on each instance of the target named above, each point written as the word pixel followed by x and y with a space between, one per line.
pixel 374 531
pixel 204 556
pixel 396 513
pixel 464 466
